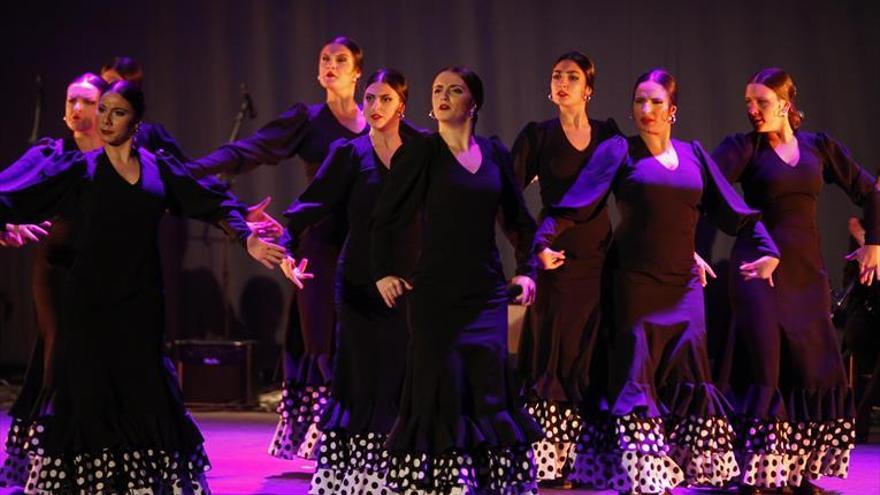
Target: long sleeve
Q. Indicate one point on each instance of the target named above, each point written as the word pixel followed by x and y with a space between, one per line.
pixel 275 141
pixel 727 210
pixel 587 195
pixel 30 164
pixel 402 197
pixel 189 197
pixel 859 185
pixel 525 155
pixel 154 137
pixel 733 155
pixel 39 195
pixel 514 218
pixel 325 194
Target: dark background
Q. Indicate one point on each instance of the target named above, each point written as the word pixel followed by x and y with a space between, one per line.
pixel 196 53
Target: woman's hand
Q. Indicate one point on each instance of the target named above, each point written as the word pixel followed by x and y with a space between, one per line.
pixel 760 269
pixel 391 288
pixel 704 270
pixel 527 295
pixel 550 259
pixel 868 257
pixel 296 273
pixel 261 223
pixel 265 252
pixel 19 235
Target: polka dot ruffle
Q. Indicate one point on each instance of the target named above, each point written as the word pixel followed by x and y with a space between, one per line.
pixel 297 433
pixel 703 448
pixel 551 459
pixel 775 453
pixel 351 465
pixel 561 423
pixel 14 470
pixel 501 471
pixel 136 472
pixel 627 453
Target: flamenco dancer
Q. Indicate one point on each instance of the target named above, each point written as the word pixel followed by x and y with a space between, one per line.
pixel 794 407
pixel 372 337
pixel 109 418
pixel 458 429
pixel 562 371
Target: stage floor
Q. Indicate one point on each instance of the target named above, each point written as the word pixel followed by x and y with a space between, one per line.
pixel 237 441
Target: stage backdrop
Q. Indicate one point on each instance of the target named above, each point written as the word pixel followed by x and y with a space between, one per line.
pixel 196 53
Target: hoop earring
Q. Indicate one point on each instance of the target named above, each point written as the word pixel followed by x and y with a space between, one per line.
pixel 431 115
pixel 400 115
pixel 472 112
pixel 672 119
pixel 550 96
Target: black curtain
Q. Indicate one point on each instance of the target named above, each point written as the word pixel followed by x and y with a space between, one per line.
pixel 196 53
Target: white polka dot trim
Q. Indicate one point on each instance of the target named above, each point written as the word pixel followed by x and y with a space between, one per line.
pixel 297 433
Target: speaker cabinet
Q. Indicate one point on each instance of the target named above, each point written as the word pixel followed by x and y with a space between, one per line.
pixel 216 372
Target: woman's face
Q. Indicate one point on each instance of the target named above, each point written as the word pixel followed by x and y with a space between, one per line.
pixel 336 67
pixel 568 84
pixel 451 100
pixel 116 119
pixel 767 111
pixel 382 105
pixel 652 110
pixel 81 108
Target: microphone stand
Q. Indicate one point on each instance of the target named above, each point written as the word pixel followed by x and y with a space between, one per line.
pixel 245 110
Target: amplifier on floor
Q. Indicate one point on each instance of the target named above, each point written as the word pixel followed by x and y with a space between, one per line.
pixel 215 372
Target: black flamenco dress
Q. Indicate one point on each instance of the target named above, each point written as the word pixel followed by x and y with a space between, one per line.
pixel 371 338
pixel 667 420
pixel 562 348
pixel 109 416
pixel 459 428
pixel 53 257
pixel 794 406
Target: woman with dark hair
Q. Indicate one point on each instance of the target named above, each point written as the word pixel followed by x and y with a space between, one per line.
pixel 668 421
pixel 307 131
pixel 371 338
pixel 53 257
pixel 557 361
pixel 793 404
pixel 109 418
pixel 150 135
pixel 458 428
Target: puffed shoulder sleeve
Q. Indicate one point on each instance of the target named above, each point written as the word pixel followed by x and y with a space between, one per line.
pixel 275 141
pixel 862 188
pixel 732 156
pixel 190 198
pixel 324 195
pixel 29 165
pixel 727 210
pixel 525 155
pixel 587 195
pixel 38 194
